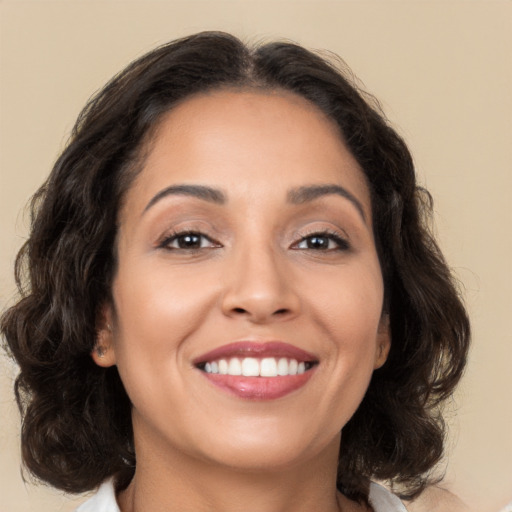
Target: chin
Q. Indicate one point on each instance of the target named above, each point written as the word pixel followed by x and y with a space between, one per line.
pixel 267 451
pixel 262 459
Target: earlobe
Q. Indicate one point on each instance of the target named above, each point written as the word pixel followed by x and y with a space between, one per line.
pixel 383 342
pixel 103 353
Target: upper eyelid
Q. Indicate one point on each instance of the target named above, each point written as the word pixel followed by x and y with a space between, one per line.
pixel 333 235
pixel 182 227
pixel 307 232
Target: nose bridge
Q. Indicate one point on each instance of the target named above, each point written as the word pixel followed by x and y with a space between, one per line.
pixel 259 283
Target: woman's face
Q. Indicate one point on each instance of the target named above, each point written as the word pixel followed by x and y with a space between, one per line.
pixel 246 243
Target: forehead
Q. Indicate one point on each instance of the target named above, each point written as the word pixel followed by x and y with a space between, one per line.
pixel 246 140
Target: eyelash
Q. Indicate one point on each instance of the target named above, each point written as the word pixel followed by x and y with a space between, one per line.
pixel 341 243
pixel 176 235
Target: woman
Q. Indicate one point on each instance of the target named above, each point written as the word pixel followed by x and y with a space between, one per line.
pixel 232 300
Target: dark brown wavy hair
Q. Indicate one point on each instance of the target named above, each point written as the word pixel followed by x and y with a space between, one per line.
pixel 76 417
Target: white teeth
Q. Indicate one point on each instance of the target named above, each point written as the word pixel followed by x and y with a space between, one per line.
pixel 253 367
pixel 282 366
pixel 250 367
pixel 223 367
pixel 268 367
pixel 234 367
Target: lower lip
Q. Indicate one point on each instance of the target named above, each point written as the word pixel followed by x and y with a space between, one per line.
pixel 259 388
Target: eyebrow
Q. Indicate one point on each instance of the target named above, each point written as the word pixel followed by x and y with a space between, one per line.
pixel 310 193
pixel 203 192
pixel 297 196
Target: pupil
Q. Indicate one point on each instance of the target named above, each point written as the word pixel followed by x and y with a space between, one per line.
pixel 317 242
pixel 187 241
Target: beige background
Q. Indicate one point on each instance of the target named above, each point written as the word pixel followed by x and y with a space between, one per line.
pixel 443 71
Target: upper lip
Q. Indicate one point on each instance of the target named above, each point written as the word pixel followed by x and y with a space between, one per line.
pixel 256 349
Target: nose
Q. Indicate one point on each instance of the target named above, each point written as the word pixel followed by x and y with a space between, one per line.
pixel 259 287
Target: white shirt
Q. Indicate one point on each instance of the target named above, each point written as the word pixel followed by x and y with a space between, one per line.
pixel 105 500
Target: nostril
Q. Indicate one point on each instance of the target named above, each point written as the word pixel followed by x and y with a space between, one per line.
pixel 279 312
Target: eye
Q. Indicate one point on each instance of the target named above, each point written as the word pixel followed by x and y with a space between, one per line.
pixel 187 240
pixel 322 241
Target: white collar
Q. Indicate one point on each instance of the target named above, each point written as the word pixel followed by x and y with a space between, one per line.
pixel 382 500
pixel 103 501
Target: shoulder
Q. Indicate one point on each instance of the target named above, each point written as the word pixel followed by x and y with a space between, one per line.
pixel 437 499
pixel 383 500
pixel 104 500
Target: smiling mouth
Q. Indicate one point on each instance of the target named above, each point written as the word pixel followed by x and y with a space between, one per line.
pixel 257 371
pixel 257 367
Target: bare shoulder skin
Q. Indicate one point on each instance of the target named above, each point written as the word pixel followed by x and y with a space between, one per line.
pixel 437 499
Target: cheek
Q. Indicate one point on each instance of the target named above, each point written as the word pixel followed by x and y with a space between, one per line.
pixel 163 302
pixel 348 314
pixel 156 312
pixel 348 304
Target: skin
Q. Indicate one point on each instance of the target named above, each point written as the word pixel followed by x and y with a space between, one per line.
pixel 256 276
pixel 437 499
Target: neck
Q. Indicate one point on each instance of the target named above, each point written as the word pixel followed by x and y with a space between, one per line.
pixel 167 480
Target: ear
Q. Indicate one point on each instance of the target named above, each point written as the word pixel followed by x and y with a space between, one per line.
pixel 383 341
pixel 103 353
